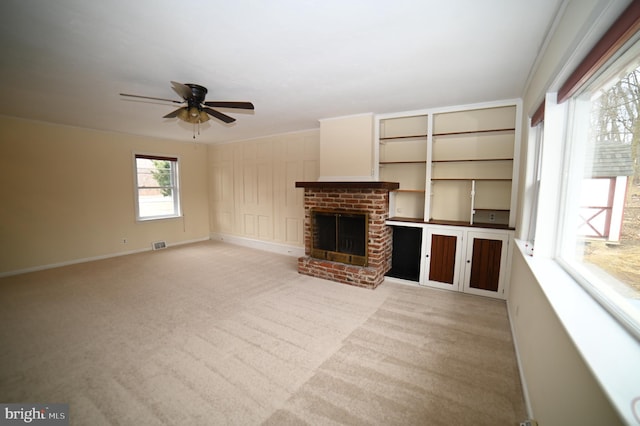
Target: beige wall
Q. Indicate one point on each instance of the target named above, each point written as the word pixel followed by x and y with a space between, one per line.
pixel 252 184
pixel 68 194
pixel 561 388
pixel 346 148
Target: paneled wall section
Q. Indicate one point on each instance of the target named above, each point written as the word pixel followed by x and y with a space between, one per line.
pixel 252 186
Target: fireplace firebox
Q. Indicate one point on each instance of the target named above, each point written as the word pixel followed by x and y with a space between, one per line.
pixel 340 236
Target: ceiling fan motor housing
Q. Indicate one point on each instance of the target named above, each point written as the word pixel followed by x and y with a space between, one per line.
pixel 199 94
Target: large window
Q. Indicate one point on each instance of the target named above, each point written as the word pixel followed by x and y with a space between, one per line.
pixel 157 194
pixel 600 238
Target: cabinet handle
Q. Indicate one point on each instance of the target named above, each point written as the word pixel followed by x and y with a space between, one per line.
pixel 468 261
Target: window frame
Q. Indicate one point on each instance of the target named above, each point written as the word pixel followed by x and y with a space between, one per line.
pixel 175 172
pixel 596 282
pixel 536 134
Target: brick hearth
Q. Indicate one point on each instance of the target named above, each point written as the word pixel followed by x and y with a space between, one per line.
pixel 370 197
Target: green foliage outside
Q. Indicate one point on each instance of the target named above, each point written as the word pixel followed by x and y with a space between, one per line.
pixel 162 175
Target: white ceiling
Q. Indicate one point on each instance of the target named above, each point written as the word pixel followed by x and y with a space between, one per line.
pixel 66 61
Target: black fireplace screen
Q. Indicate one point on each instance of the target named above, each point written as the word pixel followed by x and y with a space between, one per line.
pixel 340 236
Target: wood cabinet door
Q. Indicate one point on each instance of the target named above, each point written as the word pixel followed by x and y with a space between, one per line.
pixel 442 259
pixel 485 263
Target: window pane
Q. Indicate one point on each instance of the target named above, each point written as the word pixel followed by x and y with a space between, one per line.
pixel 152 203
pixel 602 226
pixel 157 192
pixel 596 208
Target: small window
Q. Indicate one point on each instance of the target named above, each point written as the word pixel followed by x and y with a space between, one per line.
pixel 600 242
pixel 157 194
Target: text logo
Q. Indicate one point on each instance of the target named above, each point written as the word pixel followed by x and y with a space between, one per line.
pixel 34 414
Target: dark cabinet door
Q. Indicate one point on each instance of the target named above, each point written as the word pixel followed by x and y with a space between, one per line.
pixel 485 263
pixel 444 254
pixel 443 258
pixel 407 253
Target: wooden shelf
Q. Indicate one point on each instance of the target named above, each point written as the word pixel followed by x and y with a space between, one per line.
pixel 467 224
pixel 472 160
pixel 468 179
pixel 389 138
pixel 493 210
pixel 404 162
pixel 390 186
pixel 407 219
pixel 470 132
pixel 417 191
pixel 449 223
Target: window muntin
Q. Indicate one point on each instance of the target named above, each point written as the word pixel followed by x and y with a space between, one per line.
pixel 157 191
pixel 599 242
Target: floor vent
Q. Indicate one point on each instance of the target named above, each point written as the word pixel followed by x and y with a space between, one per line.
pixel 158 245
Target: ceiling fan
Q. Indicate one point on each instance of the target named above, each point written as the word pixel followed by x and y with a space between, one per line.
pixel 196 110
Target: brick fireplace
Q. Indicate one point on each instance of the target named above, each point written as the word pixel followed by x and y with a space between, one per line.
pixel 371 198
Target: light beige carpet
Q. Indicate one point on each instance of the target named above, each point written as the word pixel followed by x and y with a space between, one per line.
pixel 212 333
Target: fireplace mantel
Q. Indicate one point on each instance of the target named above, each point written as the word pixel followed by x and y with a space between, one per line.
pixel 389 186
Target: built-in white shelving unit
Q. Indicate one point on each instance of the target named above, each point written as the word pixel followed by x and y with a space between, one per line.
pixel 455 165
pixel 458 169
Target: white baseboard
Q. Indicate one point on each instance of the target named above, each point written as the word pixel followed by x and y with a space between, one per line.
pixel 260 245
pixel 93 258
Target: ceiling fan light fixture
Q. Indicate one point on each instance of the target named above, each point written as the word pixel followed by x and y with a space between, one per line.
pixel 191 115
pixel 183 115
pixel 203 116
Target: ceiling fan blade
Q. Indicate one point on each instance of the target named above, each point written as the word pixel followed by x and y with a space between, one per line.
pixel 182 89
pixel 150 97
pixel 219 115
pixel 229 104
pixel 175 113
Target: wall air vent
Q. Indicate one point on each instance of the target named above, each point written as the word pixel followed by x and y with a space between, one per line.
pixel 159 245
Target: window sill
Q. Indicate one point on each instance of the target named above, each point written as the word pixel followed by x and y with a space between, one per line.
pixel 607 348
pixel 151 219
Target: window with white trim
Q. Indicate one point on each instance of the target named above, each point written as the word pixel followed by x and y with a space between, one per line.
pixel 599 238
pixel 157 190
pixel 538 138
